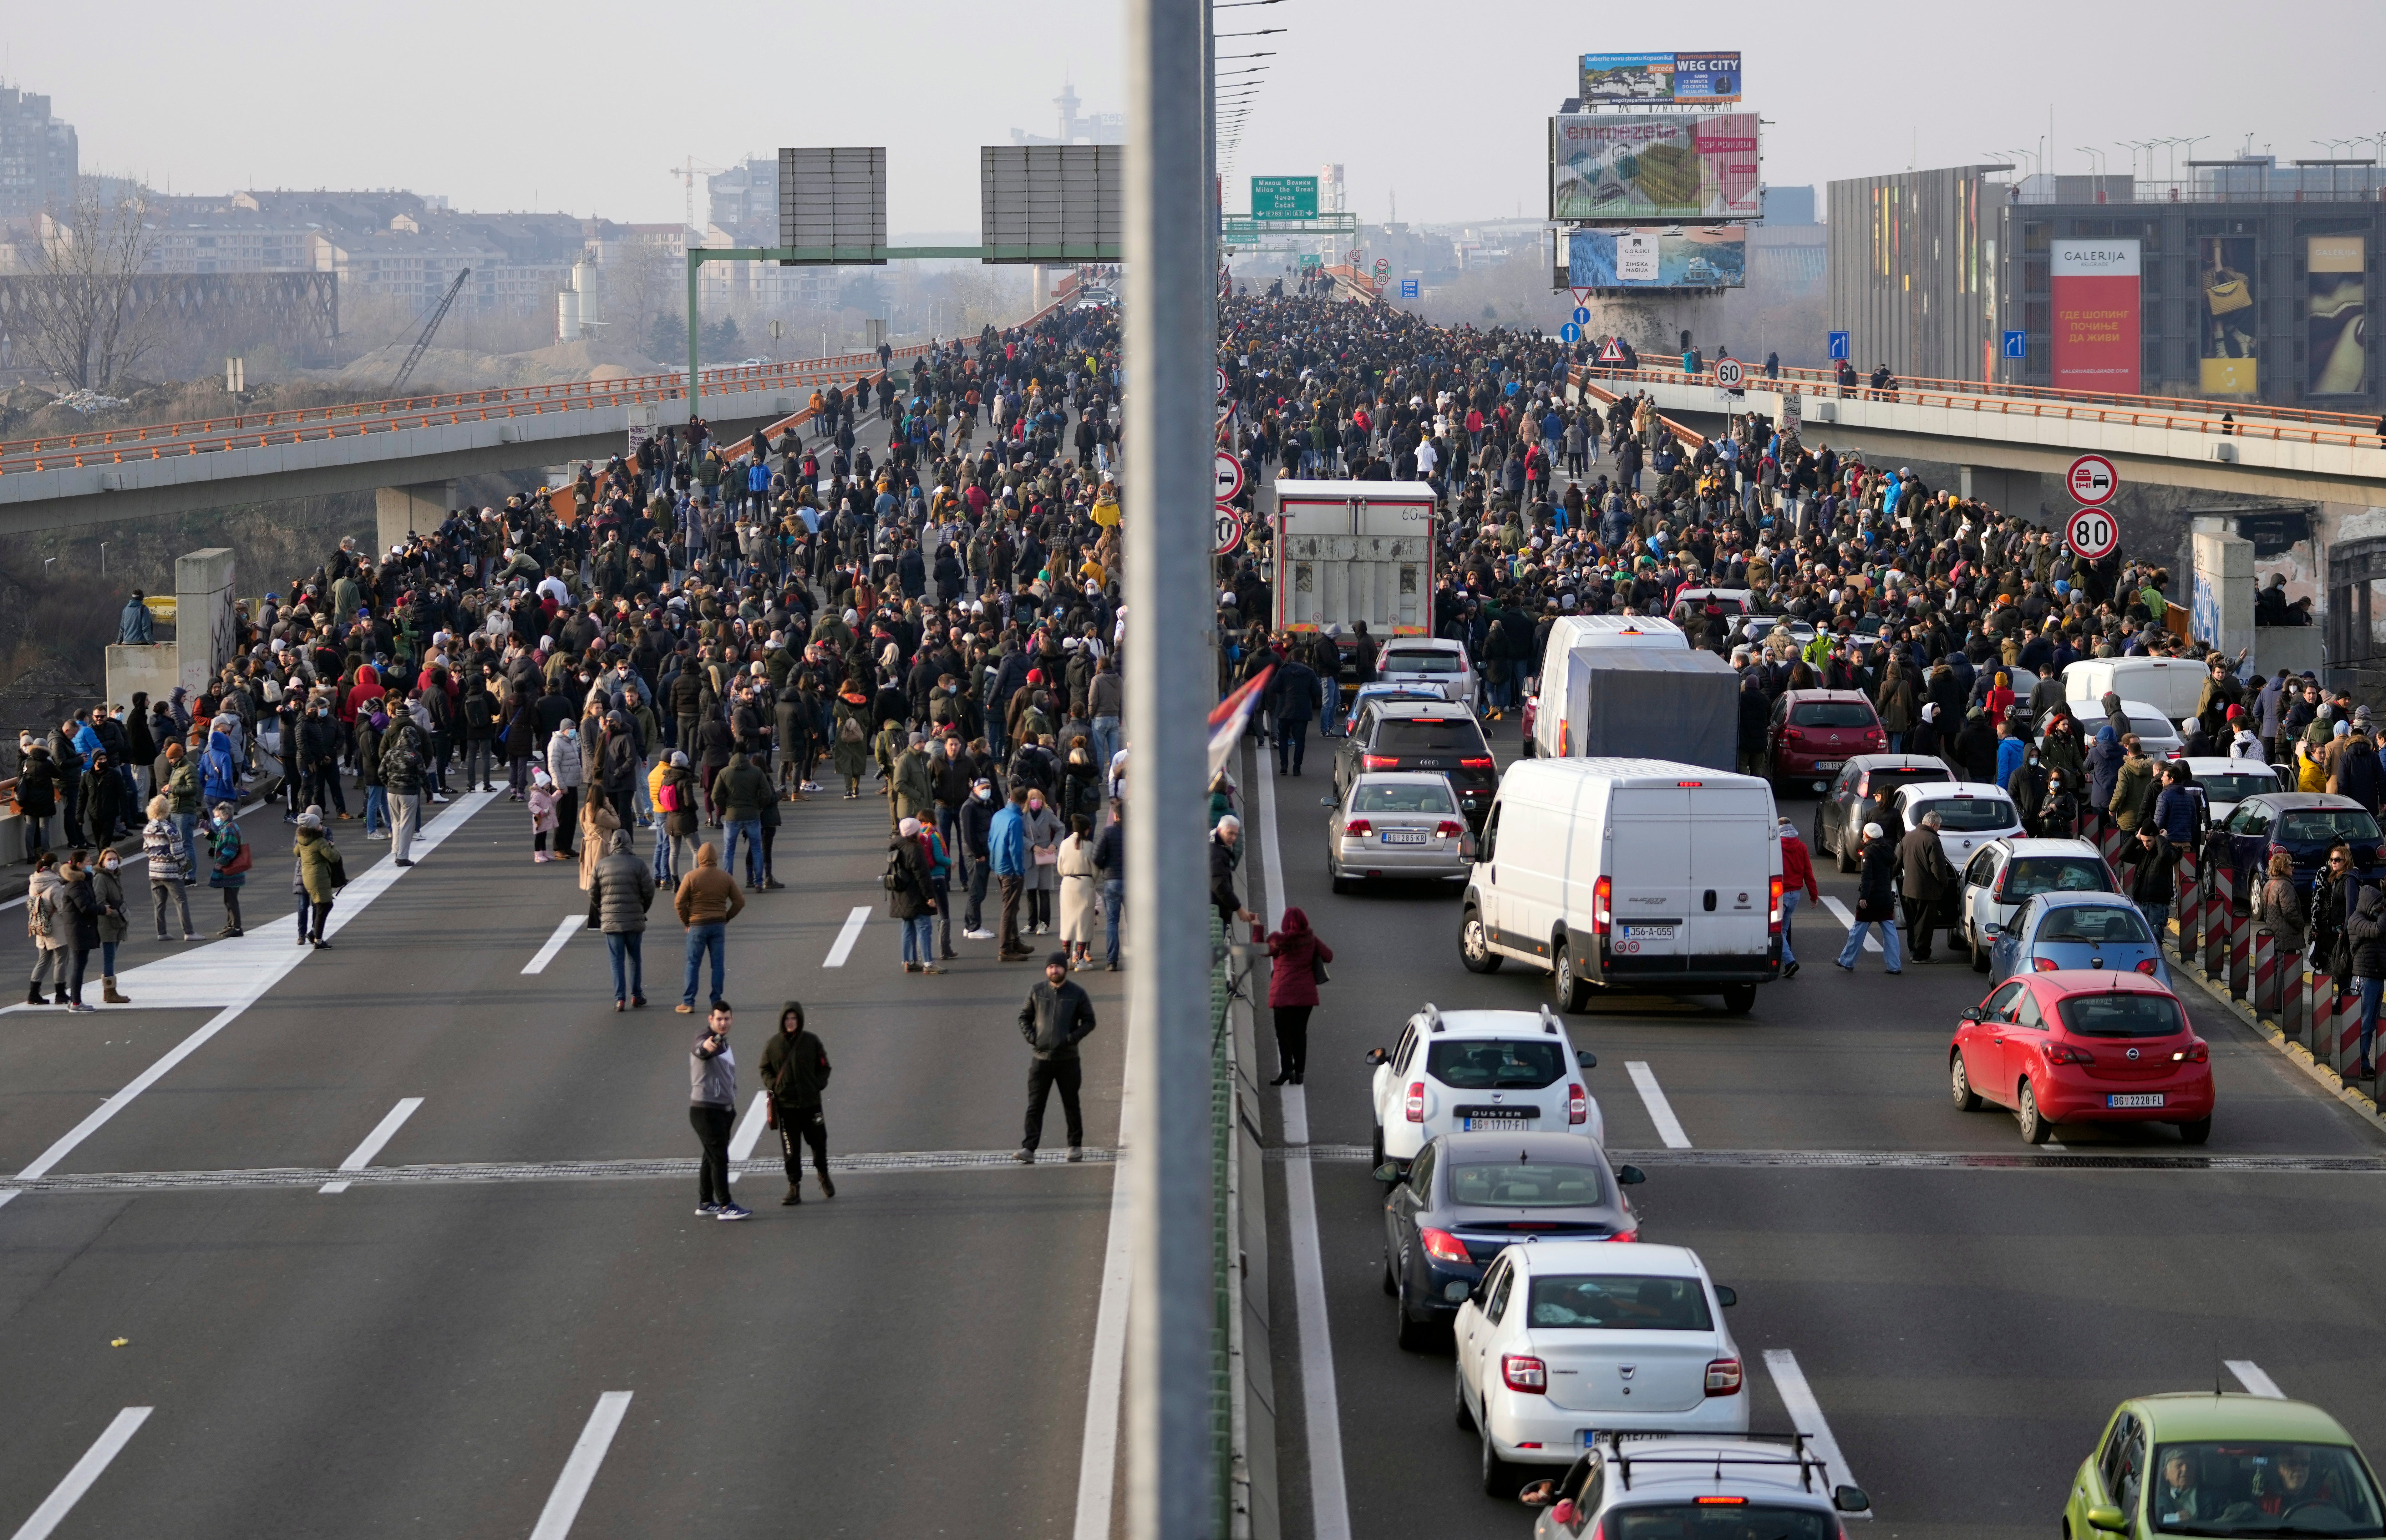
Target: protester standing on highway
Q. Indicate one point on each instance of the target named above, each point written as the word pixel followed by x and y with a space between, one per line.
pixel 794 1069
pixel 712 1110
pixel 911 895
pixel 47 925
pixel 404 775
pixel 2278 905
pixel 1079 901
pixel 314 879
pixel 229 860
pixel 1927 880
pixel 108 892
pixel 1110 860
pixel 619 898
pixel 2153 861
pixel 1007 853
pixel 565 768
pixel 1058 1016
pixel 1296 691
pixel 1042 829
pixel 1797 878
pixel 1875 902
pixel 2366 930
pixel 708 901
pixel 161 842
pixel 1225 856
pixel 1300 967
pixel 79 921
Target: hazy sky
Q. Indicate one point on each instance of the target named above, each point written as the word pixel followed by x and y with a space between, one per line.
pixel 585 107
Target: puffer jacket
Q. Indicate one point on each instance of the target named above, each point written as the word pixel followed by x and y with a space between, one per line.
pixel 623 891
pixel 2368 931
pixel 563 763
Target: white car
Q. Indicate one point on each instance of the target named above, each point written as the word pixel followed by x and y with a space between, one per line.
pixel 2005 874
pixel 1565 1341
pixel 2157 734
pixel 1697 1487
pixel 1464 1072
pixel 1971 813
pixel 2227 782
pixel 1429 662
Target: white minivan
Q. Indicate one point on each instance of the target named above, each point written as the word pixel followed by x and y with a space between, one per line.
pixel 1635 876
pixel 2171 685
pixel 1572 637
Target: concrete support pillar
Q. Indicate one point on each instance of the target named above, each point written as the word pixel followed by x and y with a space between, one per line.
pixel 400 511
pixel 206 628
pixel 2222 610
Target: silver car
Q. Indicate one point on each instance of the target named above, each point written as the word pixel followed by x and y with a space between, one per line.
pixel 1399 824
pixel 1429 663
pixel 2007 873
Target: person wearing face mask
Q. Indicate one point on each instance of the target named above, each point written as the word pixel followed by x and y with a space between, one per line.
pixel 320 740
pixel 1044 830
pixel 107 895
pixel 975 823
pixel 565 769
pixel 78 922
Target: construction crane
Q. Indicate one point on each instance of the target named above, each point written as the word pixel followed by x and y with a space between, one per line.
pixel 688 174
pixel 414 355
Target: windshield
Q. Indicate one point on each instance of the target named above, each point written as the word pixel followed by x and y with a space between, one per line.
pixel 1430 735
pixel 2095 923
pixel 2327 823
pixel 2121 1013
pixel 1880 782
pixel 1966 814
pixel 2032 875
pixel 1401 797
pixel 1527 1184
pixel 2252 1488
pixel 1420 663
pixel 2237 788
pixel 1489 1064
pixel 1831 713
pixel 1621 1303
pixel 1718 1522
pixel 2153 727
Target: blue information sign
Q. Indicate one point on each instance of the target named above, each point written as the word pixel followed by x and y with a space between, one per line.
pixel 1838 344
pixel 2017 345
pixel 1582 315
pixel 1408 288
pixel 1570 332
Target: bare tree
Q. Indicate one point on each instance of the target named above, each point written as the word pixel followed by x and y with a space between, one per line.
pixel 640 286
pixel 89 316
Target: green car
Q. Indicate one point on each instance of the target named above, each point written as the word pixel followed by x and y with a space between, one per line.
pixel 2228 1465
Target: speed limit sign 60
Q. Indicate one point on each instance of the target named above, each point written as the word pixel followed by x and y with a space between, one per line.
pixel 2092 534
pixel 1727 373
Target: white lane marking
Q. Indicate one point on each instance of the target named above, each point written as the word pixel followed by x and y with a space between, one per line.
pixel 86 1471
pixel 264 966
pixel 563 930
pixel 7 1194
pixel 1661 1111
pixel 2250 1376
pixel 1097 1452
pixel 1840 912
pixel 1329 1501
pixel 580 1470
pixel 1806 1416
pixel 361 1157
pixel 748 1134
pixel 854 921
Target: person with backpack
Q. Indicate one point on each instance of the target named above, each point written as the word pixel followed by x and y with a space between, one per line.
pixel 47 924
pixel 850 741
pixel 229 859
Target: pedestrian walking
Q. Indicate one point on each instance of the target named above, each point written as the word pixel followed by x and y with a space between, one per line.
pixel 1058 1016
pixel 1110 860
pixel 911 895
pixel 1797 878
pixel 1080 898
pixel 316 878
pixel 1926 878
pixel 619 897
pixel 712 1110
pixel 708 898
pixel 1875 902
pixel 229 859
pixel 1300 967
pixel 795 1071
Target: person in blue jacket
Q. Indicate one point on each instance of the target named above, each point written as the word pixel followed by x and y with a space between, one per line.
pixel 1006 848
pixel 219 771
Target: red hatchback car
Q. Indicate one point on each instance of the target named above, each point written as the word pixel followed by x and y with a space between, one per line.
pixel 2083 1045
pixel 1813 732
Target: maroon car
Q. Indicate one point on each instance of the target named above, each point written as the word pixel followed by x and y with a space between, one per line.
pixel 1813 732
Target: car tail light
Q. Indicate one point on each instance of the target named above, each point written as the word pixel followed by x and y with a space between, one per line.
pixel 1773 912
pixel 1713 1501
pixel 1602 899
pixel 2146 966
pixel 1577 1105
pixel 1443 1247
pixel 1478 762
pixel 2197 1052
pixel 1864 784
pixel 1448 828
pixel 1379 761
pixel 2069 1053
pixel 1874 735
pixel 1529 1374
pixel 1626 1235
pixel 2048 965
pixel 1417 1101
pixel 1997 894
pixel 1358 826
pixel 1793 735
pixel 1723 1377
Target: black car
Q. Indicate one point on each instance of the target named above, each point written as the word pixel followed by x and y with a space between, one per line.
pixel 1421 735
pixel 1857 797
pixel 2304 824
pixel 1467 1195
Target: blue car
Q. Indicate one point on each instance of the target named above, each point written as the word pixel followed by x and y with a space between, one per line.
pixel 2076 930
pixel 2304 824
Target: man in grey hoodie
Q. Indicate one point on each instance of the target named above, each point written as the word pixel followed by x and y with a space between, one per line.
pixel 712 1108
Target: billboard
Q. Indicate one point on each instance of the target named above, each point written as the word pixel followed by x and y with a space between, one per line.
pixel 1660 78
pixel 2224 270
pixel 1632 169
pixel 1709 257
pixel 2336 314
pixel 2095 340
pixel 1284 197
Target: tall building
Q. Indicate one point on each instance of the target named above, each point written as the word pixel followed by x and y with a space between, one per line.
pixel 38 157
pixel 1913 266
pixel 1099 128
pixel 745 201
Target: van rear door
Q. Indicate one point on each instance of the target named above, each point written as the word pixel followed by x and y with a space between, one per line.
pixel 1648 871
pixel 1731 863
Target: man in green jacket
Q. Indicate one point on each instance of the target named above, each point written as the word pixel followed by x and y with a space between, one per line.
pixel 915 791
pixel 2133 792
pixel 739 792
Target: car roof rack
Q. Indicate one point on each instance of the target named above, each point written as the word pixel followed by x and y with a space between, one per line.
pixel 1808 1464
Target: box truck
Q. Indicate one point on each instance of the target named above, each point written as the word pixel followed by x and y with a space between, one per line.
pixel 1633 703
pixel 1353 551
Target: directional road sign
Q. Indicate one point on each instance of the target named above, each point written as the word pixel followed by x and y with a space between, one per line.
pixel 1727 373
pixel 1408 288
pixel 2092 533
pixel 1582 315
pixel 2093 479
pixel 1839 346
pixel 1227 471
pixel 1229 531
pixel 1570 332
pixel 2017 345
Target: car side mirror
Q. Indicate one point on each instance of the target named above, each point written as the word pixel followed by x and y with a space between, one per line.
pixel 1851 1500
pixel 1376 1055
pixel 2107 1518
pixel 1585 1057
pixel 1538 1494
pixel 1630 1176
pixel 1389 1172
pixel 1971 1013
pixel 1726 1295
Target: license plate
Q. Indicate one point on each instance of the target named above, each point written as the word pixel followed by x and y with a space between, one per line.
pixel 1492 1124
pixel 1648 932
pixel 1404 836
pixel 2136 1098
pixel 1826 764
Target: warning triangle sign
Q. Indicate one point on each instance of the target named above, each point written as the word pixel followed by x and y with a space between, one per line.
pixel 1609 353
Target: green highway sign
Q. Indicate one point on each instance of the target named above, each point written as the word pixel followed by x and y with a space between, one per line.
pixel 1284 197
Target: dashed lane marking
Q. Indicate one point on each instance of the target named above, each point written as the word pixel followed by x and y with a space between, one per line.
pixel 854 921
pixel 1661 1111
pixel 62 1497
pixel 1806 1414
pixel 2250 1376
pixel 361 1157
pixel 563 930
pixel 580 1469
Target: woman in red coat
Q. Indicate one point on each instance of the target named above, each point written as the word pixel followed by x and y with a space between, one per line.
pixel 1292 991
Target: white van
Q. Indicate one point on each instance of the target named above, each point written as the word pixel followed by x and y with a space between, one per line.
pixel 2171 685
pixel 1630 875
pixel 1560 674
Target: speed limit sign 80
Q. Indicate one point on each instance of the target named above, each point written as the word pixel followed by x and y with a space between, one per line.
pixel 2092 534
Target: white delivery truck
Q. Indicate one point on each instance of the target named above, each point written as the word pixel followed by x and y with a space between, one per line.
pixel 2171 685
pixel 1637 876
pixel 1573 640
pixel 1353 551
